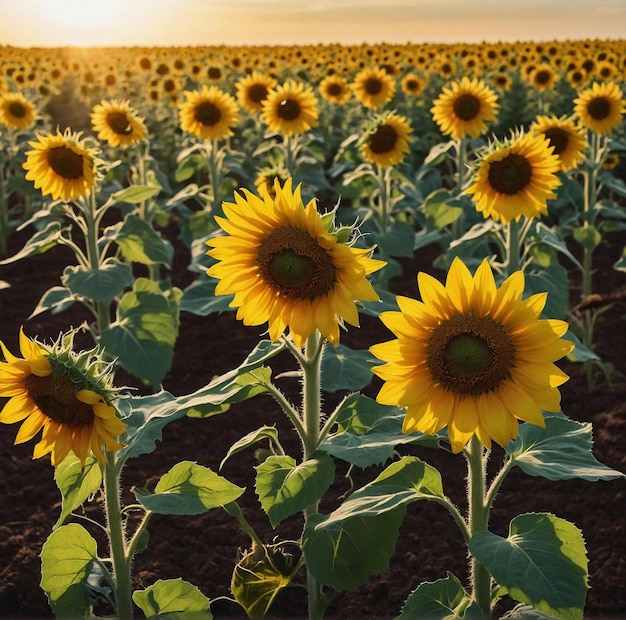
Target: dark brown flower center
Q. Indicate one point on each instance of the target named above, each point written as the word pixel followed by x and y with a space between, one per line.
pixel 294 263
pixel 412 86
pixel 214 73
pixel 373 86
pixel 207 113
pixel 288 109
pixel 65 162
pixel 559 139
pixel 510 175
pixel 56 398
pixel 383 140
pixel 17 109
pixel 119 124
pixel 334 89
pixel 542 77
pixel 257 93
pixel 469 354
pixel 599 108
pixel 466 106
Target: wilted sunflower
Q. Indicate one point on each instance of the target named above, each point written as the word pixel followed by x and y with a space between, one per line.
pixel 252 91
pixel 63 394
pixel 386 143
pixel 16 112
pixel 117 123
pixel 286 265
pixel 464 107
pixel 515 178
pixel 61 165
pixel 208 113
pixel 472 357
pixel 290 108
pixel 373 87
pixel 600 107
pixel 565 136
pixel 335 89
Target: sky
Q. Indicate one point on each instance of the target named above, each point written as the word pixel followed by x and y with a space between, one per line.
pixel 53 23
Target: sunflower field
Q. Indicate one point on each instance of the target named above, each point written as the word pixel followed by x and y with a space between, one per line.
pixel 413 250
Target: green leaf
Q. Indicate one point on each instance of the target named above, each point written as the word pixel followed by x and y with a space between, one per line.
pixel 397 240
pixel 551 280
pixel 189 489
pixel 526 612
pixel 56 299
pixel 199 298
pixel 543 562
pixel 144 333
pixel 76 483
pixel 285 488
pixel 441 209
pixel 175 599
pixel 588 236
pixel 444 599
pixel 39 243
pixel 265 432
pixel 346 369
pixel 66 560
pixel 136 193
pixel 561 451
pixel 140 243
pixel 101 284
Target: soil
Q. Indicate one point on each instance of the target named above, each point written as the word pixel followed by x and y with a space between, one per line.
pixel 203 549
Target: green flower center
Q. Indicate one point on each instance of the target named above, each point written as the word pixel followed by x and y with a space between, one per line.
pixel 469 354
pixel 65 162
pixel 17 109
pixel 383 140
pixel 288 109
pixel 207 113
pixel 118 122
pixel 257 93
pixel 56 398
pixel 373 86
pixel 599 108
pixel 559 139
pixel 466 106
pixel 510 175
pixel 294 263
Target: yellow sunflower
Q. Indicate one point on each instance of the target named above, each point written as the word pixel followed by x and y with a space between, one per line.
pixel 287 266
pixel 543 77
pixel 335 89
pixel 471 356
pixel 50 391
pixel 16 112
pixel 117 123
pixel 412 84
pixel 600 107
pixel 253 89
pixel 290 108
pixel 373 87
pixel 565 136
pixel 61 165
pixel 515 178
pixel 208 113
pixel 388 140
pixel 464 107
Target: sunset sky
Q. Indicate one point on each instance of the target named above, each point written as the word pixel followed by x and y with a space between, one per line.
pixel 45 23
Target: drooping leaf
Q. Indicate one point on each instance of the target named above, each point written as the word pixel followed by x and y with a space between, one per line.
pixel 260 434
pixel 174 599
pixel 76 483
pixel 40 242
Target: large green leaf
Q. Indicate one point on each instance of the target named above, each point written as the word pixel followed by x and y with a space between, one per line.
pixel 101 284
pixel 140 243
pixel 543 562
pixel 174 599
pixel 199 298
pixel 398 240
pixel 285 488
pixel 136 193
pixel 346 369
pixel 441 209
pixel 66 560
pixel 76 483
pixel 561 451
pixel 189 489
pixel 551 280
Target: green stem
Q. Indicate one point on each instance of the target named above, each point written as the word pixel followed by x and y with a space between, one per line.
pixel 383 179
pixel 117 539
pixel 513 242
pixel 290 159
pixel 215 177
pixel 234 510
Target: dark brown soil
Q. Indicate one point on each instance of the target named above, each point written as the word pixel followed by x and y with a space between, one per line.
pixel 203 549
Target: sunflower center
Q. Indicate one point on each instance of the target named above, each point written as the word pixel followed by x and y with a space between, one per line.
pixel 542 77
pixel 295 264
pixel 466 106
pixel 56 398
pixel 510 175
pixel 65 162
pixel 599 108
pixel 470 354
pixel 118 122
pixel 257 93
pixel 17 109
pixel 207 113
pixel 288 109
pixel 334 90
pixel 383 139
pixel 373 86
pixel 559 139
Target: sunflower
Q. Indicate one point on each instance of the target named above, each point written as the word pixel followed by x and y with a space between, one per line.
pixel 472 357
pixel 600 107
pixel 16 112
pixel 334 88
pixel 61 165
pixel 117 123
pixel 543 77
pixel 464 107
pixel 388 140
pixel 373 87
pixel 62 394
pixel 412 84
pixel 287 266
pixel 208 113
pixel 565 137
pixel 290 108
pixel 515 178
pixel 253 89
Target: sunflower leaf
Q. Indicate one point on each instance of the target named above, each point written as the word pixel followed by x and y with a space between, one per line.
pixel 543 562
pixel 102 284
pixel 346 369
pixel 136 193
pixel 140 243
pixel 175 599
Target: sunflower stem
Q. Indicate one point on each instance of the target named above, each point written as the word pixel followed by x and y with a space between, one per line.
pixel 512 262
pixel 145 210
pixel 383 179
pixel 290 158
pixel 461 153
pixel 215 176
